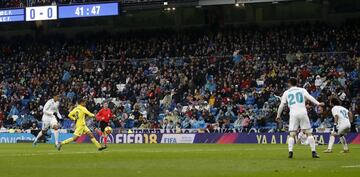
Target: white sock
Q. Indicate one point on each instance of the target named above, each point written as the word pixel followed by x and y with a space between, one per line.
pixel 311 141
pixel 344 143
pixel 291 142
pixel 38 136
pixel 56 136
pixel 331 142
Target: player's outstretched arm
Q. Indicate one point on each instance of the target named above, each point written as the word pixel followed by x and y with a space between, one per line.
pixel 99 116
pixel 351 118
pixel 57 112
pixel 88 113
pixel 280 108
pixel 336 119
pixel 312 99
pixel 279 111
pixel 111 115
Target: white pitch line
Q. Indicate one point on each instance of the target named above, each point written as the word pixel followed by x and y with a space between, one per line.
pixel 63 152
pixel 351 166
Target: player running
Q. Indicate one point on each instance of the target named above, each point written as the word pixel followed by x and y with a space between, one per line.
pixel 342 124
pixel 295 98
pixel 104 116
pixel 78 114
pixel 50 119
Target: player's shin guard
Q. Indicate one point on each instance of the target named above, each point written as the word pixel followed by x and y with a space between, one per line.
pixel 331 142
pixel 311 141
pixel 344 143
pixel 56 136
pixel 67 141
pixel 291 142
pixel 97 144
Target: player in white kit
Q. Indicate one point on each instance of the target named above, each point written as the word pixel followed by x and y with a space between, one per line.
pixel 295 99
pixel 50 119
pixel 342 124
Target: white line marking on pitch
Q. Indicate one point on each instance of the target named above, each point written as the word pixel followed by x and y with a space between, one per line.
pixel 49 152
pixel 134 150
pixel 351 166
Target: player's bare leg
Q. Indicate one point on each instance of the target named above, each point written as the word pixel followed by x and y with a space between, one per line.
pixel 98 131
pixel 344 143
pixel 102 135
pixel 56 136
pixel 105 136
pixel 97 144
pixel 291 142
pixel 331 143
pixel 312 144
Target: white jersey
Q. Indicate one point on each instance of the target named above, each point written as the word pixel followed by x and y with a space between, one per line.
pixel 343 115
pixel 49 109
pixel 295 98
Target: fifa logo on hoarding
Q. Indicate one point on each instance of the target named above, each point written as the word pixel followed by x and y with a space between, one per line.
pixel 110 139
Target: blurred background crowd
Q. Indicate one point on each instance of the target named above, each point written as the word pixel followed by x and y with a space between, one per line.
pixel 187 79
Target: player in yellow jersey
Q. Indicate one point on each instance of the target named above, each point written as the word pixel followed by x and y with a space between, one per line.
pixel 79 114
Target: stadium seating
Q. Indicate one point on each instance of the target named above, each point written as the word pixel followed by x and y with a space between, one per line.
pixel 182 79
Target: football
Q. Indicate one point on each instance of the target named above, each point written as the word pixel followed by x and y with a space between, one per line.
pixel 108 130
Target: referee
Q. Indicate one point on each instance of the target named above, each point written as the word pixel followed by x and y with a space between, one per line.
pixel 104 116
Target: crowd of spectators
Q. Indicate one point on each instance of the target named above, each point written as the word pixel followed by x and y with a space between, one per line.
pixel 189 79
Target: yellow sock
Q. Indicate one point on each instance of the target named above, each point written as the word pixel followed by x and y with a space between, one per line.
pixel 97 144
pixel 67 141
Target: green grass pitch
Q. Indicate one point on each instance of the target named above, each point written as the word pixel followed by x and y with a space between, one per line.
pixel 174 160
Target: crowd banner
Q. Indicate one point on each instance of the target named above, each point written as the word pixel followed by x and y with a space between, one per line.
pixel 23 137
pixel 15 137
pixel 188 138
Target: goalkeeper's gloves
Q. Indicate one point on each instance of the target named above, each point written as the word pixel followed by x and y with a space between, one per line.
pixel 335 128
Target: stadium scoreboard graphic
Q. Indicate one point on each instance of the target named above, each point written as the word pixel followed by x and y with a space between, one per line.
pixel 88 10
pixel 12 15
pixel 41 13
pixel 53 12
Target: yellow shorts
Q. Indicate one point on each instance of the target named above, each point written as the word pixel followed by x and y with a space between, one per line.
pixel 81 130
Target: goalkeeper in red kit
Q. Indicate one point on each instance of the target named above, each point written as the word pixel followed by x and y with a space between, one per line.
pixel 104 116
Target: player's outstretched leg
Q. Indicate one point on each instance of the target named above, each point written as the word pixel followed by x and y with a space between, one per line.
pixel 98 131
pixel 58 146
pixel 344 143
pixel 331 143
pixel 96 143
pixel 291 142
pixel 312 144
pixel 67 141
pixel 40 134
pixel 56 135
pixel 105 136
